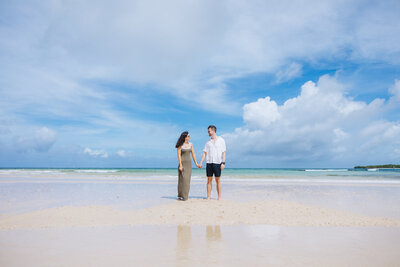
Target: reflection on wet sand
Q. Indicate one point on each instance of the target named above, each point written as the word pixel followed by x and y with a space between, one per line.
pixel 183 238
pixel 213 233
pixel 209 254
pixel 214 245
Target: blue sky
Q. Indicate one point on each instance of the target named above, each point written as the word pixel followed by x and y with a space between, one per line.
pixel 287 83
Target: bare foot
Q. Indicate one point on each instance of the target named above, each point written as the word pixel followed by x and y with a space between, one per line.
pixel 208 198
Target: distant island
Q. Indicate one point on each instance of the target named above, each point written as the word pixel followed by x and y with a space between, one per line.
pixel 388 166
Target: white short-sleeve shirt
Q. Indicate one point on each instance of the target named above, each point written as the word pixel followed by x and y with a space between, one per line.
pixel 214 150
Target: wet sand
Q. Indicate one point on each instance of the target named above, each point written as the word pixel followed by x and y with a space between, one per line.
pixel 189 245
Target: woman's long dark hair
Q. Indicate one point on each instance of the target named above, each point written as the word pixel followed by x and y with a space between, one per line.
pixel 181 139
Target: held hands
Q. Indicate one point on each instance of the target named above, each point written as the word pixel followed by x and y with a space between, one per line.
pixel 200 165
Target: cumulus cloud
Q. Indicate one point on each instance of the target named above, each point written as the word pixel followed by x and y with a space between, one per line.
pixel 42 141
pixel 96 153
pixel 261 113
pixel 321 124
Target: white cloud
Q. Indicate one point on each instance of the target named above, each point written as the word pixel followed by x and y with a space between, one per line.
pixel 96 153
pixel 42 141
pixel 261 113
pixel 322 124
pixel 292 71
pixel 122 153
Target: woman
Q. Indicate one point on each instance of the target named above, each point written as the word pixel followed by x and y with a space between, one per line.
pixel 184 148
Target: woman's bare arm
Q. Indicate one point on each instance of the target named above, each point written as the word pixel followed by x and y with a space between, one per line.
pixel 179 158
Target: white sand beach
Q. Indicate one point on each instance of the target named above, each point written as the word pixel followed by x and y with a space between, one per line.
pixel 194 212
pixel 83 220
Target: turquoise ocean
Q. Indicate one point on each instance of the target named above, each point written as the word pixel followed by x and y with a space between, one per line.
pixel 232 174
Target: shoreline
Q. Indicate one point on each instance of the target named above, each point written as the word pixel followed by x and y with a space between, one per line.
pixel 103 177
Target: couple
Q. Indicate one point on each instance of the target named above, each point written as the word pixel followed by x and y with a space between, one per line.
pixel 213 152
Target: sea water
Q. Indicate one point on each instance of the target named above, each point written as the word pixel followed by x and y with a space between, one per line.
pixel 330 175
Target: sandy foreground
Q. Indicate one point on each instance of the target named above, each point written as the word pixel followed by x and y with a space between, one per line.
pixel 194 212
pixel 197 245
pixel 140 223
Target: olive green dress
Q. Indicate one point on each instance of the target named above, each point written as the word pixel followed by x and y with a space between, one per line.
pixel 185 175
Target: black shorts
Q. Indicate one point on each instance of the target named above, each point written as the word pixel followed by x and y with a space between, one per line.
pixel 213 168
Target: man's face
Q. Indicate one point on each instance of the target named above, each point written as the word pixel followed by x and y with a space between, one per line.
pixel 210 131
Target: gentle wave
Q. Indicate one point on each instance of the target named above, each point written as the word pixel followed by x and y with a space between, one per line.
pixel 326 170
pixel 227 180
pixel 21 171
pixel 316 181
pixel 95 171
pixel 299 175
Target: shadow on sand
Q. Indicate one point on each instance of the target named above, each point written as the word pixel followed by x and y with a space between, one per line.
pixel 194 197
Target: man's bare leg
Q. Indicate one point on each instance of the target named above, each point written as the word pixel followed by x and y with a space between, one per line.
pixel 218 181
pixel 209 187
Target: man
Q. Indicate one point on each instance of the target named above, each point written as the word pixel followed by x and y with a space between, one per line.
pixel 214 151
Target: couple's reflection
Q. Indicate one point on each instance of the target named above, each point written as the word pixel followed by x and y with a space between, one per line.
pixel 183 240
pixel 185 253
pixel 213 233
pixel 213 245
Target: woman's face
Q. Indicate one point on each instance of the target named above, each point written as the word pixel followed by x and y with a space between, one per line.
pixel 187 138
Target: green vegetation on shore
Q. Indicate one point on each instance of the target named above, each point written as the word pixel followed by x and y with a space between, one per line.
pixel 391 166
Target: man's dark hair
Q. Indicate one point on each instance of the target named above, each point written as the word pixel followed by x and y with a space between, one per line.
pixel 212 127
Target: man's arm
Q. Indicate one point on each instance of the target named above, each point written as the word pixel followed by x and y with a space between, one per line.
pixel 202 159
pixel 223 160
pixel 223 154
